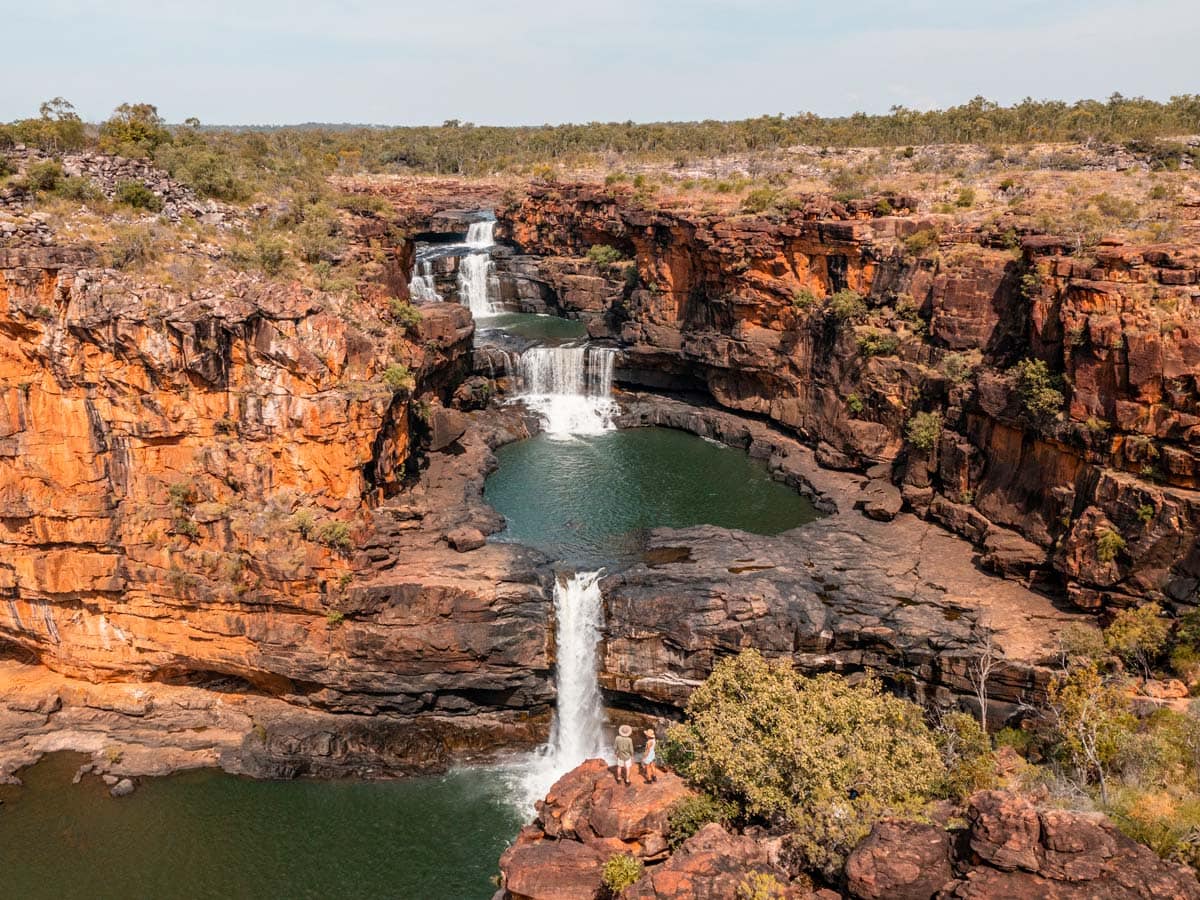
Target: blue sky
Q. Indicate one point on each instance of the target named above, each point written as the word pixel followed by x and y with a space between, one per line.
pixel 534 61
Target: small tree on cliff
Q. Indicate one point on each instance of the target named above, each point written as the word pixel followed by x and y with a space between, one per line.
pixel 135 129
pixel 824 755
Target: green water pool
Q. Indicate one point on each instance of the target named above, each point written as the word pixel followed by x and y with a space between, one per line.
pixel 205 834
pixel 589 501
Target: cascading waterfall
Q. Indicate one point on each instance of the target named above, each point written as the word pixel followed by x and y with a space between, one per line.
pixel 570 388
pixel 422 286
pixel 578 730
pixel 475 270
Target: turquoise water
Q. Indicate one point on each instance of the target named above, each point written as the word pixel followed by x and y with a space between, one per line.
pixel 590 500
pixel 545 330
pixel 205 834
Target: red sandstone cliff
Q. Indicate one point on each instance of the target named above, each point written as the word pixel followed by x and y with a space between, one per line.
pixel 735 306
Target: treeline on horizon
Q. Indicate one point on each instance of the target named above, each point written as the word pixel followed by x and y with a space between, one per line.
pixel 462 148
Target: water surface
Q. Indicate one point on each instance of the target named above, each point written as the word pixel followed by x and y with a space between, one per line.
pixel 589 500
pixel 205 834
pixel 546 330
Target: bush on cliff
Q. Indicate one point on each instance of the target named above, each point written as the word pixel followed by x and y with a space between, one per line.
pixel 691 814
pixel 604 255
pixel 620 872
pixel 924 430
pixel 1037 389
pixel 826 757
pixel 135 129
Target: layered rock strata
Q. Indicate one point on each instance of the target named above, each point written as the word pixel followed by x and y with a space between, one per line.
pixel 735 307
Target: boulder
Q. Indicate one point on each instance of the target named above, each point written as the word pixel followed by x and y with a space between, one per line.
pixel 445 427
pixel 552 870
pixel 900 860
pixel 589 805
pixel 465 539
pixel 711 865
pixel 122 788
pixel 1005 830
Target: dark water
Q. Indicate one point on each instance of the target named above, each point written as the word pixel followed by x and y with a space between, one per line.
pixel 549 331
pixel 590 500
pixel 205 834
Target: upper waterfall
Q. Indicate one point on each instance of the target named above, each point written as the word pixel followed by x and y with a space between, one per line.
pixel 475 269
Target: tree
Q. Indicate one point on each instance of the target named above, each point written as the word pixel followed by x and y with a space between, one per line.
pixel 824 755
pixel 1092 719
pixel 135 129
pixel 979 670
pixel 1138 636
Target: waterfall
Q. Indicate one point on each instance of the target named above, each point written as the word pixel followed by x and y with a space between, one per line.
pixel 570 388
pixel 578 730
pixel 422 286
pixel 475 269
pixel 480 235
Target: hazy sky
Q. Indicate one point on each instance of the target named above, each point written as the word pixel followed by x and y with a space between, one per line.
pixel 534 61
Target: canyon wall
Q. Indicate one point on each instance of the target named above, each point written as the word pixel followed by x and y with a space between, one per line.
pixel 211 488
pixel 1101 499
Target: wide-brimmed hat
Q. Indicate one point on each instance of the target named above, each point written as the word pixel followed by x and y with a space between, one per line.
pixel 625 731
pixel 649 732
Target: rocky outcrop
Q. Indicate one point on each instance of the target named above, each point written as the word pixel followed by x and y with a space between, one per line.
pixel 588 817
pixel 1010 848
pixel 218 487
pixel 844 593
pixel 734 306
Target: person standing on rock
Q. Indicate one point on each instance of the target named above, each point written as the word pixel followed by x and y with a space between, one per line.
pixel 649 770
pixel 623 746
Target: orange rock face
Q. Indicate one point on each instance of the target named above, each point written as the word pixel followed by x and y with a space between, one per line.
pixel 185 483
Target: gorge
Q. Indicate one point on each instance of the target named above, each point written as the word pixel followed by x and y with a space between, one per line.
pixel 508 492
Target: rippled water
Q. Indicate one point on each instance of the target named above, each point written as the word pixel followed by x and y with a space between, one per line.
pixel 204 834
pixel 590 500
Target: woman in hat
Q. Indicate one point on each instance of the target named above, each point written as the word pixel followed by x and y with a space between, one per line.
pixel 649 771
pixel 624 750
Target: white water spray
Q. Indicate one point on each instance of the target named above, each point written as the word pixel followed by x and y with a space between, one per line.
pixel 422 286
pixel 578 730
pixel 570 388
pixel 475 270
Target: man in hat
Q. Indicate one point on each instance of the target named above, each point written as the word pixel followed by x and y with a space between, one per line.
pixel 623 746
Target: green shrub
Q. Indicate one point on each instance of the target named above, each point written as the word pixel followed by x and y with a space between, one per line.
pixel 1145 513
pixel 965 198
pixel 335 535
pixel 42 176
pixel 137 195
pixel 803 298
pixel 883 207
pixel 270 253
pixel 957 368
pixel 922 241
pixel 762 886
pixel 827 756
pixel 1108 545
pixel 319 234
pixel 404 313
pixel 604 255
pixel 854 403
pixel 691 814
pixel 621 871
pixel 847 306
pixel 967 755
pixel 208 173
pixel 760 200
pixel 874 342
pixel 1138 636
pixel 1037 389
pixel 82 190
pixel 334 618
pixel 132 245
pixel 135 129
pixel 399 378
pixel 924 429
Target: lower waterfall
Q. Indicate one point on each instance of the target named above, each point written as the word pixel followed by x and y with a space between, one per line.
pixel 578 730
pixel 422 286
pixel 570 388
